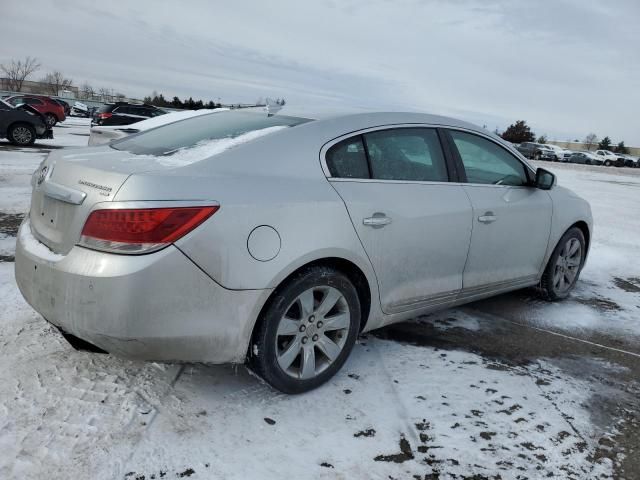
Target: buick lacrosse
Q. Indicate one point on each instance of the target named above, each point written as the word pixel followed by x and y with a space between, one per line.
pixel 275 240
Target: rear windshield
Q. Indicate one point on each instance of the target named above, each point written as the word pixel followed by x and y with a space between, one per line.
pixel 105 108
pixel 198 131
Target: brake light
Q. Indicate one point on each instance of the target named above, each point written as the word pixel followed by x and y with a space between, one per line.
pixel 105 115
pixel 140 230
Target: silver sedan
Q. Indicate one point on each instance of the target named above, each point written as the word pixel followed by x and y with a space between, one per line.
pixel 275 240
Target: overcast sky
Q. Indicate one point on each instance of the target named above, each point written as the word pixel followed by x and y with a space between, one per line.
pixel 568 67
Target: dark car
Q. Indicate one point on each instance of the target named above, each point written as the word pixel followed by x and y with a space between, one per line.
pixel 585 158
pixel 630 161
pixel 537 151
pixel 52 111
pixel 22 125
pixel 63 104
pixel 123 113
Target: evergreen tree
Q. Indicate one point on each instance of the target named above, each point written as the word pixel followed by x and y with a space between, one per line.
pixel 518 132
pixel 605 144
pixel 621 148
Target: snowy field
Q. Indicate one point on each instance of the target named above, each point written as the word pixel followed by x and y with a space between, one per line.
pixel 509 388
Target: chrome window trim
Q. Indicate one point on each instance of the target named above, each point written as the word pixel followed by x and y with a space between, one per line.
pixel 355 133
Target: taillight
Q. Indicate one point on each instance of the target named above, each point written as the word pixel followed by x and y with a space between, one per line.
pixel 103 116
pixel 140 230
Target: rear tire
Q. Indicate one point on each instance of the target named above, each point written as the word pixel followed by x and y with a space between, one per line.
pixel 607 163
pixel 306 331
pixel 21 134
pixel 564 266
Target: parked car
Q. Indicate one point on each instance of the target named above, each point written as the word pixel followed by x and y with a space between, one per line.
pixel 80 109
pixel 22 125
pixel 64 105
pixel 105 134
pixel 610 159
pixel 629 161
pixel 562 154
pixel 277 239
pixel 123 113
pixel 52 111
pixel 537 151
pixel 586 158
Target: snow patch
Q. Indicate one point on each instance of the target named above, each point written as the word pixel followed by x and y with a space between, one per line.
pixel 166 119
pixel 36 248
pixel 209 148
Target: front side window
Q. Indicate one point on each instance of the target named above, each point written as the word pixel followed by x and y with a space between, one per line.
pixel 348 159
pixel 412 154
pixel 485 162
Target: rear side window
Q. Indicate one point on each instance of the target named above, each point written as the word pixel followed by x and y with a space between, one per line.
pixel 348 159
pixel 412 154
pixel 486 162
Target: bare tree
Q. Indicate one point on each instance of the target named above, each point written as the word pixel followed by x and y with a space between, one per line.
pixel 56 81
pixel 106 94
pixel 120 97
pixel 17 72
pixel 87 91
pixel 590 140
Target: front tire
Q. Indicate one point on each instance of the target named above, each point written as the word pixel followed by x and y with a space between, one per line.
pixel 607 163
pixel 51 119
pixel 306 331
pixel 564 266
pixel 21 134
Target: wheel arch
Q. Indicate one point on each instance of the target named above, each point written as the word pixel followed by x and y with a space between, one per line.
pixel 584 228
pixel 20 122
pixel 353 272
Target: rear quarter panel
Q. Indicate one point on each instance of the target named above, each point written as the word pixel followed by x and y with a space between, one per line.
pixel 255 188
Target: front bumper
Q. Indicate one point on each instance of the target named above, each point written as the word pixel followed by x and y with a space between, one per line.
pixel 158 306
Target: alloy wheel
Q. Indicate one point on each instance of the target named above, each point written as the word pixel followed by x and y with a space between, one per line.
pixel 567 265
pixel 22 135
pixel 312 332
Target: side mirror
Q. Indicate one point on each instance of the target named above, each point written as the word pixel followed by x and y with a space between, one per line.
pixel 545 180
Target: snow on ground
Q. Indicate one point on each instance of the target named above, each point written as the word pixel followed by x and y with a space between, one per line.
pixel 394 411
pixel 607 299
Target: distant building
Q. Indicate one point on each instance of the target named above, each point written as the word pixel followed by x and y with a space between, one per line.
pixel 41 88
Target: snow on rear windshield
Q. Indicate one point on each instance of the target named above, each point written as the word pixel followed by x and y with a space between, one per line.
pixel 208 148
pixel 197 138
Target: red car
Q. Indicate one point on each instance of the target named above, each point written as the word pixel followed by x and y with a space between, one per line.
pixel 53 112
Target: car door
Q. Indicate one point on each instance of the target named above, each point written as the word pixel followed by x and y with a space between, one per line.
pixel 414 224
pixel 511 219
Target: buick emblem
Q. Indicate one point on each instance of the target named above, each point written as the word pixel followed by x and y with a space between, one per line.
pixel 42 174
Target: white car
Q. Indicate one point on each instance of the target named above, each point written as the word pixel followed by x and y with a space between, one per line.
pixel 104 134
pixel 562 153
pixel 609 158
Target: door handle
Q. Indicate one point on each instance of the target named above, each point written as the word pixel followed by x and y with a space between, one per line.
pixel 378 220
pixel 488 217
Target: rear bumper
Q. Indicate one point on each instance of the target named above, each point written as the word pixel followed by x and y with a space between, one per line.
pixel 151 307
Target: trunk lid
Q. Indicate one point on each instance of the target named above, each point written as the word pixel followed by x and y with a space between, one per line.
pixel 67 185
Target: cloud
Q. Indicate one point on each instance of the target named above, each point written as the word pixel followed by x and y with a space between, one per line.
pixel 569 67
